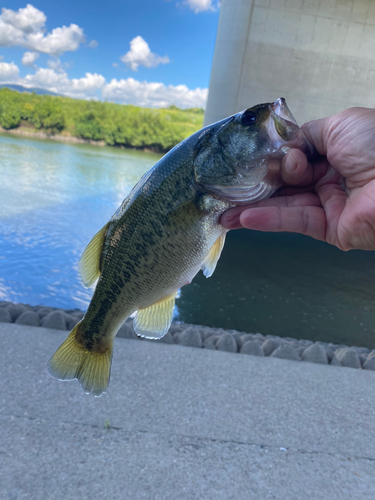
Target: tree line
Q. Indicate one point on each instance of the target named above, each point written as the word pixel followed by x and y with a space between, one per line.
pixel 115 124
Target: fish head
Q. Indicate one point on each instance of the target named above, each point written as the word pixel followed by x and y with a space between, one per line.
pixel 239 158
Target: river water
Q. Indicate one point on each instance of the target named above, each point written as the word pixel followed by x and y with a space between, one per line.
pixel 54 197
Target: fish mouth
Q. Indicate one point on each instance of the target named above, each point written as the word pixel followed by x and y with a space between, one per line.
pixel 280 108
pixel 284 134
pixel 266 183
pixel 283 130
pixel 281 126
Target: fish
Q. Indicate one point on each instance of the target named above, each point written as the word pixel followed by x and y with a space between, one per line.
pixel 168 229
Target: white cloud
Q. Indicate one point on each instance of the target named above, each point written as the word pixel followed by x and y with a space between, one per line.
pixel 141 55
pixel 9 35
pixel 55 81
pixel 153 94
pixel 200 5
pixel 25 28
pixel 29 58
pixel 9 72
pixel 55 63
pixel 87 85
pixel 81 88
pixel 93 44
pixel 114 65
pixel 58 41
pixel 1 58
pixel 45 78
pixel 28 20
pixel 94 86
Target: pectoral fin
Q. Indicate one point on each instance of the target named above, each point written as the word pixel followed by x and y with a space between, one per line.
pixel 89 263
pixel 209 263
pixel 153 322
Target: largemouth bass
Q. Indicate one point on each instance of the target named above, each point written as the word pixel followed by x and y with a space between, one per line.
pixel 168 229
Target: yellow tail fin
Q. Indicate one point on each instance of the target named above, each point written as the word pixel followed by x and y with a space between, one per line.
pixel 72 361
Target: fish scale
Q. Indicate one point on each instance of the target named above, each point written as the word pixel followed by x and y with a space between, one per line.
pixel 167 229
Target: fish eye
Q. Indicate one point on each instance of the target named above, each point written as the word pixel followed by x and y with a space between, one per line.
pixel 248 118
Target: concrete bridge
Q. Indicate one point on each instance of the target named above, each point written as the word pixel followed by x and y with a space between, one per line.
pixel 318 54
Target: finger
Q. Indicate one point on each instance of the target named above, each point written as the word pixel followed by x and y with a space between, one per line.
pixel 294 190
pixel 293 167
pixel 334 200
pixel 317 132
pixel 310 221
pixel 296 171
pixel 231 218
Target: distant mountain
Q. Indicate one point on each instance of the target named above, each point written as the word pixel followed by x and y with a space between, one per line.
pixel 20 88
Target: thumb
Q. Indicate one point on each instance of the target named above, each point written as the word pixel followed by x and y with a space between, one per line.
pixel 317 132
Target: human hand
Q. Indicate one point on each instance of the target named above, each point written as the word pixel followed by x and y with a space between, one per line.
pixel 332 199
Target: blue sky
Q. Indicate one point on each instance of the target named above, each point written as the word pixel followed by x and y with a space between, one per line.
pixel 144 52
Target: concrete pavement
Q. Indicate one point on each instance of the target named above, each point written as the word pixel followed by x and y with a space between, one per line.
pixel 183 423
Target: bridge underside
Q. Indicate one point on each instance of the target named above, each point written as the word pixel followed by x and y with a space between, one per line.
pixel 319 55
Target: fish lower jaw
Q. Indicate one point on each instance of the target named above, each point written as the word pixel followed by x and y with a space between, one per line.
pixel 243 195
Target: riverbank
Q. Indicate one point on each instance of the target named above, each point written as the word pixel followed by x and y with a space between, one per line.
pixel 98 123
pixel 33 134
pixel 205 337
pixel 66 138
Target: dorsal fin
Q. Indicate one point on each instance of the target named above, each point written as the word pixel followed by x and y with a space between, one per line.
pixel 209 263
pixel 89 264
pixel 153 322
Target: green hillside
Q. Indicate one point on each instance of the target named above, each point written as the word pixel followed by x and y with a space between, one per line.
pixel 115 124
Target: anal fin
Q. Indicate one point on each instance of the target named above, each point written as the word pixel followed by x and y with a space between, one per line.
pixel 209 263
pixel 153 322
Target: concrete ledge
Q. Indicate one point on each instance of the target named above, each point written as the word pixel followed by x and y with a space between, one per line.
pixel 179 422
pixel 204 336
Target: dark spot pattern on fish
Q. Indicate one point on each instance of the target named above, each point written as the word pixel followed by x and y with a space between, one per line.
pixel 166 216
pixel 168 228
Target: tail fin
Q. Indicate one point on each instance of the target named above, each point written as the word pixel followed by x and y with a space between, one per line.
pixel 72 361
